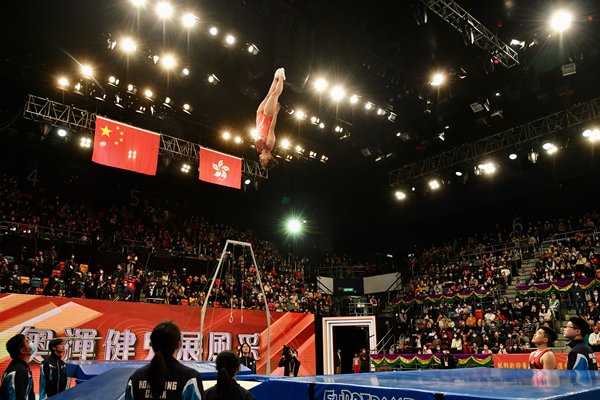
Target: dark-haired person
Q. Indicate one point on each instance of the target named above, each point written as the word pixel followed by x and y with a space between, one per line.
pixel 227 388
pixel 543 357
pixel 165 377
pixel 581 355
pixel 246 357
pixel 266 119
pixel 17 381
pixel 53 371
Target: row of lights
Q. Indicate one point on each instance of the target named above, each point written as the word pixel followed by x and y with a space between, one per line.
pixel 284 144
pixel 490 167
pixel 165 11
pixel 64 83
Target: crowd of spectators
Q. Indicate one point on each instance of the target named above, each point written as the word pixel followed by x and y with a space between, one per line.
pixel 156 227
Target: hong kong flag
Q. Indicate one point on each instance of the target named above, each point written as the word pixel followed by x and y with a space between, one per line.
pixel 124 146
pixel 220 168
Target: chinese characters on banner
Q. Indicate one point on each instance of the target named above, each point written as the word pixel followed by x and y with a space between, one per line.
pixel 85 344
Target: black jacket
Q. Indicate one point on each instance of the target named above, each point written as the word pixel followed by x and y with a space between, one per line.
pixel 181 383
pixel 235 393
pixel 17 382
pixel 53 377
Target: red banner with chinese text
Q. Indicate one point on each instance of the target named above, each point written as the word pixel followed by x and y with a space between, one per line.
pixel 521 361
pixel 107 330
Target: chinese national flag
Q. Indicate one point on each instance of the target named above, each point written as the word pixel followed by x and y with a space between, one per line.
pixel 220 168
pixel 124 146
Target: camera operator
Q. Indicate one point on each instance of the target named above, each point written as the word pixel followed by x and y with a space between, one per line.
pixel 289 361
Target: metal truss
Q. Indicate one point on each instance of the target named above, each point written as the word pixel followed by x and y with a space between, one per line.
pixel 525 133
pixel 480 36
pixel 40 109
pixel 55 113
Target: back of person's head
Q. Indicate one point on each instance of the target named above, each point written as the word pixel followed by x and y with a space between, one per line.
pixel 581 324
pixel 164 339
pixel 14 346
pixel 550 334
pixel 228 364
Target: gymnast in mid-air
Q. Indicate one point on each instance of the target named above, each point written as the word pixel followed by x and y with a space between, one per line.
pixel 266 118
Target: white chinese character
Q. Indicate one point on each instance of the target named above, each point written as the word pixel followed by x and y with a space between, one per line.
pixel 218 342
pixel 252 340
pixel 119 345
pixel 41 339
pixel 190 347
pixel 82 346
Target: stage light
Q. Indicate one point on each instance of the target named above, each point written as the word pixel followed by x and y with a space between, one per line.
pixel 155 58
pixel 226 135
pixel 185 71
pixel 380 111
pixel 252 49
pixel 285 143
pixel 533 156
pixel 312 154
pixel 299 149
pixel 593 135
pixel 300 115
pixel 324 159
pixel 434 184
pixel 247 181
pixel 337 93
pixel 368 106
pixel 212 79
pixel 167 102
pixel 237 140
pixel 321 125
pixel 320 85
pixel 550 148
pixel 314 120
pixel 561 21
pixel 338 129
pixel 62 82
pixel 168 61
pixel 512 156
pixel 185 168
pixel 131 89
pixel 62 132
pixel 437 79
pixel 230 39
pixel 289 157
pixel 113 81
pixel 128 45
pixel 87 71
pixel 353 99
pixel 517 43
pixel 148 94
pixel 85 142
pixel 187 108
pixel 118 101
pixel 77 88
pixel 413 188
pixel 400 195
pixel 164 10
pixel 458 173
pixel 141 109
pixel 111 44
pixel 487 168
pixel 294 226
pixel 392 117
pixel 188 20
pixel 213 31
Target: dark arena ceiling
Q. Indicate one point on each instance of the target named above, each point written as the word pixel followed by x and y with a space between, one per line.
pixel 384 52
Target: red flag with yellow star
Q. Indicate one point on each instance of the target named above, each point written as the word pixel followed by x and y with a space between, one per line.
pixel 124 146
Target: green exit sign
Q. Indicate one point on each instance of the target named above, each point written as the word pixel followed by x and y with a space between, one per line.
pixel 348 290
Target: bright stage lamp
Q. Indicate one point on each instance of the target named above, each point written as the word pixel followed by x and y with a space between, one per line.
pixel 321 84
pixel 293 226
pixel 561 21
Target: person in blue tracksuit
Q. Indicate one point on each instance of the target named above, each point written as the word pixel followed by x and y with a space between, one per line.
pixel 53 371
pixel 165 377
pixel 581 356
pixel 17 381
